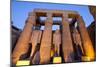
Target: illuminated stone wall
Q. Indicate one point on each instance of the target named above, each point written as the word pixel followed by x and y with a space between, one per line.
pixel 73 39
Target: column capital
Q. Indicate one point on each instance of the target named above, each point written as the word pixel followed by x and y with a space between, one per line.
pixel 31 18
pixel 49 17
pixel 65 18
pixel 65 15
pixel 49 14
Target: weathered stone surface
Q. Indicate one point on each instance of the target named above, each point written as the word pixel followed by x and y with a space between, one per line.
pixel 66 40
pixel 57 41
pixel 35 39
pixel 45 47
pixel 42 12
pixel 87 45
pixel 77 39
pixel 22 44
pixel 80 37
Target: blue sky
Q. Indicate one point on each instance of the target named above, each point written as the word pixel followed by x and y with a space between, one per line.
pixel 20 10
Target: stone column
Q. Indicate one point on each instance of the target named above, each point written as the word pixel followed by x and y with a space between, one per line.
pixel 45 47
pixel 22 44
pixel 87 45
pixel 66 40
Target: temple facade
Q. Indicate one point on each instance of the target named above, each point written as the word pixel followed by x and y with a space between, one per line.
pixel 71 41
